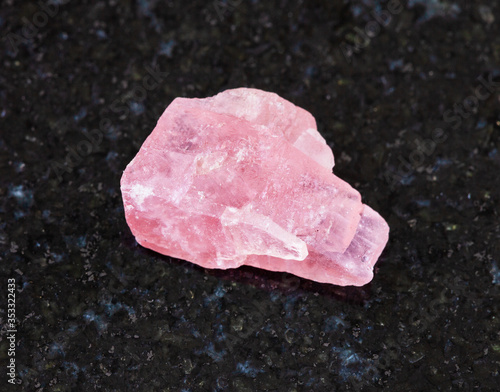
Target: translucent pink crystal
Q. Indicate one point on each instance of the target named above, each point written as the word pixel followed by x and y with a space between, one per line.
pixel 244 178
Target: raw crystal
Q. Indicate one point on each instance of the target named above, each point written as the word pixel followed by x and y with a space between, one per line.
pixel 245 178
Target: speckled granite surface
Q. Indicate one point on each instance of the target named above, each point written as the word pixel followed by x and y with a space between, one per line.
pixel 412 112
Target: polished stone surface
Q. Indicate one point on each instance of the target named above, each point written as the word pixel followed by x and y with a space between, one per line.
pixel 415 111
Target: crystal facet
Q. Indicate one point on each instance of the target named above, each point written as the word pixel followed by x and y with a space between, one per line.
pixel 245 178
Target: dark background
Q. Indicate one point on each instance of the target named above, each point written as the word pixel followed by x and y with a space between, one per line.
pixel 95 311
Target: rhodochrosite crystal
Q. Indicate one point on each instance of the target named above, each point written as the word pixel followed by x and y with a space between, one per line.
pixel 245 178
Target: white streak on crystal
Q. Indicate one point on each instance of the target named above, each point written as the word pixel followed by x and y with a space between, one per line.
pixel 139 192
pixel 251 225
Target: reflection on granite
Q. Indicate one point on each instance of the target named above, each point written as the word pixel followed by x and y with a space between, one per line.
pixel 81 87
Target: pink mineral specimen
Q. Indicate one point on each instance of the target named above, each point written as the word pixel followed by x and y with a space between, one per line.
pixel 245 178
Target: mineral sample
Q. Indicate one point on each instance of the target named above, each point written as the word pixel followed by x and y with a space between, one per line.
pixel 245 178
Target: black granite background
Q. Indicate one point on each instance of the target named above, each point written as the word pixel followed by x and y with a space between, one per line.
pixel 412 112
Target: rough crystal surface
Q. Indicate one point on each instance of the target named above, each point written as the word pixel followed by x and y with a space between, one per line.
pixel 245 178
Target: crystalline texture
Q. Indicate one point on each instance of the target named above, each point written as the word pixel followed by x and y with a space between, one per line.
pixel 245 178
